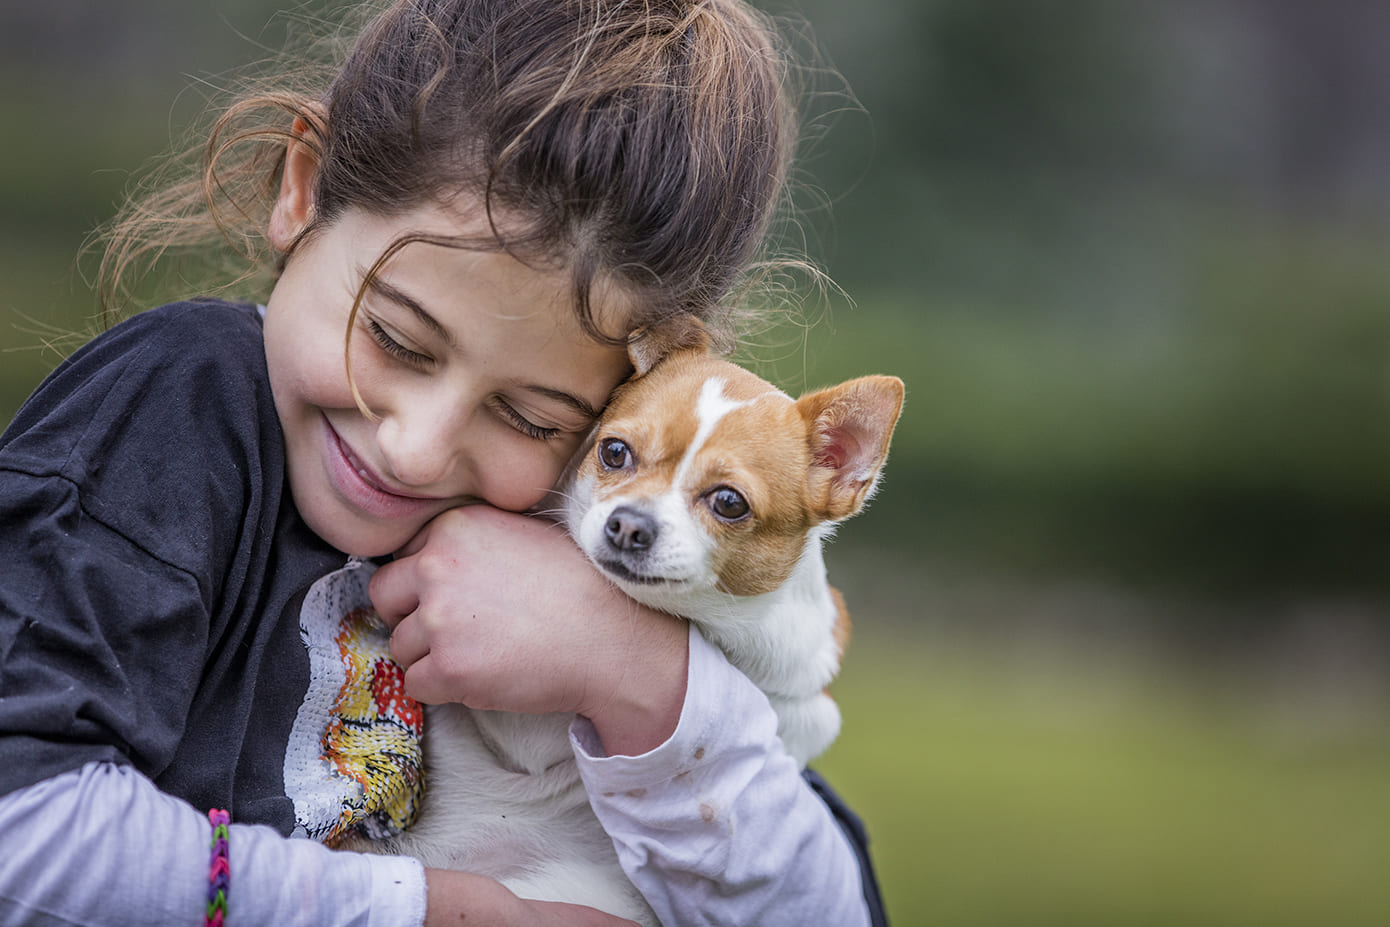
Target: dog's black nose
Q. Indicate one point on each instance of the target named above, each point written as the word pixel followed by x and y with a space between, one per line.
pixel 629 529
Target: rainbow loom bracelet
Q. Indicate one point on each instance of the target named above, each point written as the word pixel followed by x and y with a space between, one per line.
pixel 219 869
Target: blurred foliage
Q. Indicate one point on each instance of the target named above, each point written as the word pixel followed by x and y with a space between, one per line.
pixel 1143 318
pixel 1239 443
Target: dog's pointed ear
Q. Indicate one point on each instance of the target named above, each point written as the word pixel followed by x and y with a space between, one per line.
pixel 849 427
pixel 648 346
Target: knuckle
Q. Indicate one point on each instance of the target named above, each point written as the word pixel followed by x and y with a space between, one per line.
pixel 435 563
pixel 375 584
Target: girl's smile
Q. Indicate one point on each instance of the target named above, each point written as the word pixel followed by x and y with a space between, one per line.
pixel 361 487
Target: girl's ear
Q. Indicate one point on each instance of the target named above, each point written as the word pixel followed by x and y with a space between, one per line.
pixel 295 204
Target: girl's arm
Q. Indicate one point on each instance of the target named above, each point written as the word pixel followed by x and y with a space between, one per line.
pixel 477 620
pixel 103 846
pixel 716 825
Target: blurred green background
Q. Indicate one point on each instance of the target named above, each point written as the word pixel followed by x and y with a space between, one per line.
pixel 1122 650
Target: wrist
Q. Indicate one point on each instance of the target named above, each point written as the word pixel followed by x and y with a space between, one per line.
pixel 643 706
pixel 454 896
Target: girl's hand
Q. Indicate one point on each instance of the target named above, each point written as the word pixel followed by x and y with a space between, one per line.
pixel 502 611
pixel 460 897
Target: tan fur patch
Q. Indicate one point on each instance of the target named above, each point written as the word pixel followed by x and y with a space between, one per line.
pixel 843 625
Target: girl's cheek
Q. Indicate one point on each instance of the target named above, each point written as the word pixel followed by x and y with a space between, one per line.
pixel 522 480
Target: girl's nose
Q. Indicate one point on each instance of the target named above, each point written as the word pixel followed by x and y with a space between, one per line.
pixel 421 445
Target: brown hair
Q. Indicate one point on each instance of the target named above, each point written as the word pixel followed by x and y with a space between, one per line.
pixel 647 141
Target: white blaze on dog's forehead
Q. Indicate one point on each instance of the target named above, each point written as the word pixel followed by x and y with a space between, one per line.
pixel 710 409
pixel 712 406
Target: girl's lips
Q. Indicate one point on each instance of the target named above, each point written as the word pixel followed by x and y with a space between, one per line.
pixel 362 488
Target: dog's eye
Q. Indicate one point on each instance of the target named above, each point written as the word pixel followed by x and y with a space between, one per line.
pixel 728 504
pixel 614 453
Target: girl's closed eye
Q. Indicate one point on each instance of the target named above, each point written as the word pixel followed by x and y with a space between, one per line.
pixel 522 424
pixel 391 342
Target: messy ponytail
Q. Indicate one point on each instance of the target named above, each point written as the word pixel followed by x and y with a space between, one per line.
pixel 646 142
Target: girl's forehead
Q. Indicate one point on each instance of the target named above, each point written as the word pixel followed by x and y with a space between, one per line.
pixel 454 249
pixel 509 321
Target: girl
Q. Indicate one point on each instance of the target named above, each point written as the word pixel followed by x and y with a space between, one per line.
pixel 466 224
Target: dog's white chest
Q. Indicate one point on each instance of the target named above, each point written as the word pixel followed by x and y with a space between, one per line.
pixel 530 828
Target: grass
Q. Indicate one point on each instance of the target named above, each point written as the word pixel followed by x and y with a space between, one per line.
pixel 1001 790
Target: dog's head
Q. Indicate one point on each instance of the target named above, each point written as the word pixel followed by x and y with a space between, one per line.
pixel 703 477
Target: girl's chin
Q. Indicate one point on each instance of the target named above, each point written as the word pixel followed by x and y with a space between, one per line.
pixel 366 540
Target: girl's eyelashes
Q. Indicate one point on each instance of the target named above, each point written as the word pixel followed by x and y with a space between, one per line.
pixel 524 425
pixel 391 345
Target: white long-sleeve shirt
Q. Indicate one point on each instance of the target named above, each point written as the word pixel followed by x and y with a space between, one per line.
pixel 735 837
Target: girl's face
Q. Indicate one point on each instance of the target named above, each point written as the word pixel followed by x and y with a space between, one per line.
pixel 481 382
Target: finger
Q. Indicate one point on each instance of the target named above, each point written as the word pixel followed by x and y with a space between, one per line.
pixel 394 591
pixel 408 643
pixel 422 683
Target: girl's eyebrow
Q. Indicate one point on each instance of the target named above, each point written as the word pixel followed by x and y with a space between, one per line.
pixel 406 301
pixel 569 399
